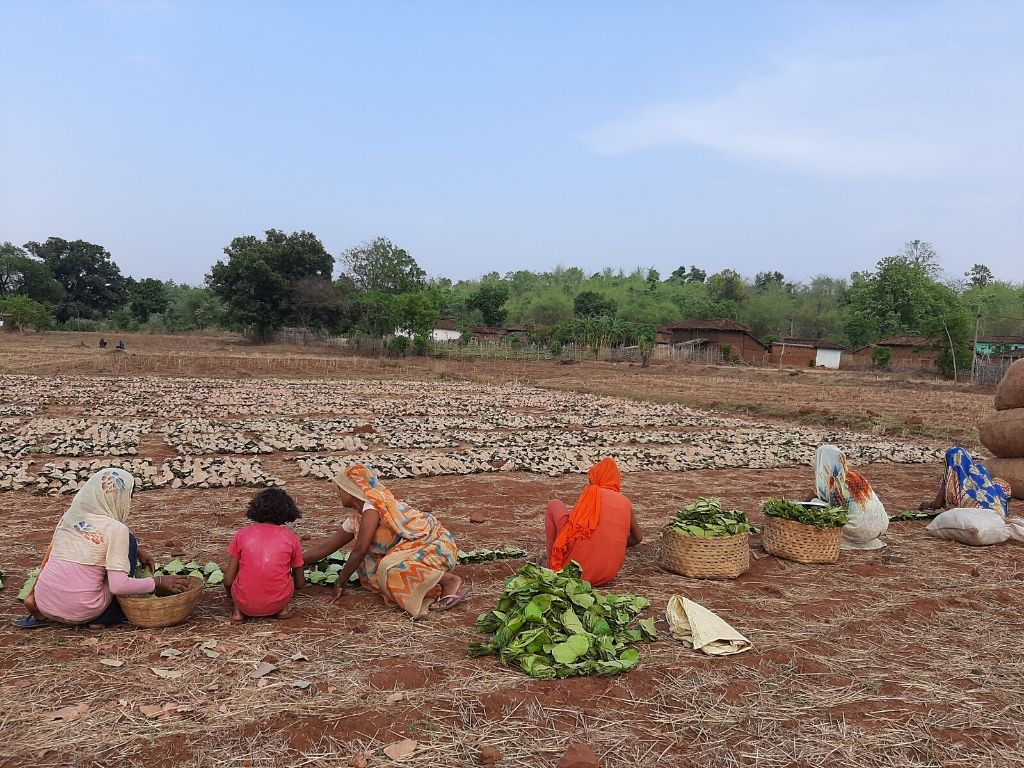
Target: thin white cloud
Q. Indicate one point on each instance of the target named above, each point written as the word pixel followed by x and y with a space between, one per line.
pixel 873 117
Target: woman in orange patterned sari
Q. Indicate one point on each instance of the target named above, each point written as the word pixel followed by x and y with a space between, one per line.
pixel 400 552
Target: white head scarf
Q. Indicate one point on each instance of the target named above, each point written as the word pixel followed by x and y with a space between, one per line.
pixel 93 530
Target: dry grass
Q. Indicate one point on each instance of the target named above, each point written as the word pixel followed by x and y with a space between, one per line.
pixel 905 657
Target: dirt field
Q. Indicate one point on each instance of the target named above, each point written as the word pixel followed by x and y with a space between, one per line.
pixel 903 657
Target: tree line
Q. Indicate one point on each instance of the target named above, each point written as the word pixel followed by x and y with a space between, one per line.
pixel 281 280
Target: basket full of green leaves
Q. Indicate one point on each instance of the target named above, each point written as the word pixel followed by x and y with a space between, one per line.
pixel 703 541
pixel 553 625
pixel 804 533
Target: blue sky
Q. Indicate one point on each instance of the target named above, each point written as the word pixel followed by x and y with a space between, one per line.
pixel 809 137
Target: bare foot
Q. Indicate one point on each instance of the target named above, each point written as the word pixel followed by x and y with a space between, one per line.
pixel 285 614
pixel 450 584
pixel 237 617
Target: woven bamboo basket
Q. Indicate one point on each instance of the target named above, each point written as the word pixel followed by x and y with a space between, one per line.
pixel 801 543
pixel 724 557
pixel 153 612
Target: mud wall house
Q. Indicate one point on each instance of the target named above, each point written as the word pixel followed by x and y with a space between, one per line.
pixel 807 353
pixel 909 353
pixel 722 333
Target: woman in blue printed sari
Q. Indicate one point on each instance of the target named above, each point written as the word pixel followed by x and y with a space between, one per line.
pixel 967 484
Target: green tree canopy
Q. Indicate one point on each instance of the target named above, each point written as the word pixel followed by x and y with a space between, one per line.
pixel 381 266
pixel 92 282
pixel 258 280
pixel 489 300
pixel 21 311
pixel 147 297
pixel 593 304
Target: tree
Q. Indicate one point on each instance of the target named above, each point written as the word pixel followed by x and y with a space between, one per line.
pixel 489 300
pixel 192 308
pixel 21 311
pixel 653 279
pixel 979 276
pixel 321 305
pixel 593 304
pixel 921 254
pixel 147 297
pixel 727 285
pixel 381 266
pixel 22 275
pixel 901 297
pixel 257 281
pixel 763 279
pixel 92 282
pixel 696 275
pixel 548 308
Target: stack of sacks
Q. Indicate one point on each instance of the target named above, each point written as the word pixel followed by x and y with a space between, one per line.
pixel 1003 432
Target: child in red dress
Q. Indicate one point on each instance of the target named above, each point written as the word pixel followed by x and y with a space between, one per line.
pixel 265 567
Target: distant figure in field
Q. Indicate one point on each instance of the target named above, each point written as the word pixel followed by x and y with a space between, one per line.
pixel 103 343
pixel 120 344
pixel 597 531
pixel 967 484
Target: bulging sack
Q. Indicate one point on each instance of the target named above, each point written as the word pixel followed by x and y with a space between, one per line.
pixel 1010 470
pixel 1003 433
pixel 1010 392
pixel 971 526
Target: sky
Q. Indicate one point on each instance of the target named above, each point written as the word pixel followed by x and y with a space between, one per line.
pixel 806 137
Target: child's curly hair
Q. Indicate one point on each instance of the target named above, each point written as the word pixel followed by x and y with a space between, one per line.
pixel 273 506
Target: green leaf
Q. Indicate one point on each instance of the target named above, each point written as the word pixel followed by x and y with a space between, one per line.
pixel 210 568
pixel 572 623
pixel 217 577
pixel 174 567
pixel 30 582
pixel 571 649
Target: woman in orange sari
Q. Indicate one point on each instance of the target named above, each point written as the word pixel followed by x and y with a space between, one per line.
pixel 402 553
pixel 597 531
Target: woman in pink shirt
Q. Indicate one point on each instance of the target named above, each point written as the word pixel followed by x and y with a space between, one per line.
pixel 92 558
pixel 265 567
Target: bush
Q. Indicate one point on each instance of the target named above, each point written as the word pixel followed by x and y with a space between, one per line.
pixel 881 357
pixel 556 348
pixel 421 344
pixel 398 346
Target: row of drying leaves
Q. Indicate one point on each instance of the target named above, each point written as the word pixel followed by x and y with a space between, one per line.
pixel 327 570
pixel 324 572
pixel 553 625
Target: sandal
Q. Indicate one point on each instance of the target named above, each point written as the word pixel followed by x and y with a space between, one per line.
pixel 445 602
pixel 30 622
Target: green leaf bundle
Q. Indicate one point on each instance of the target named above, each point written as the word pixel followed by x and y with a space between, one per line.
pixel 819 517
pixel 705 519
pixel 554 625
pixel 211 574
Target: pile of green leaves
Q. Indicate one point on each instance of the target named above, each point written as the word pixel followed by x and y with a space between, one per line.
pixel 819 517
pixel 327 570
pixel 554 625
pixel 705 519
pixel 211 574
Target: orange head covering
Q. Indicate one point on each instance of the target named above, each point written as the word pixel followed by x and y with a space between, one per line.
pixel 585 515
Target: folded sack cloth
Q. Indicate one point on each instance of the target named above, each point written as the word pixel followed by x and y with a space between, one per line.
pixel 703 630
